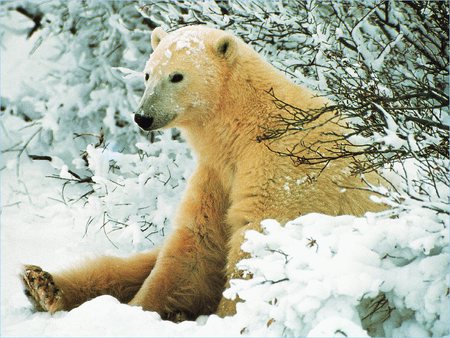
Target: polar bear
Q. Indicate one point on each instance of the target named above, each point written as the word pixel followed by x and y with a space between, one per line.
pixel 220 93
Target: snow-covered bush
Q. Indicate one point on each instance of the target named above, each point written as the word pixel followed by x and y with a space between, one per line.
pixel 321 276
pixel 76 87
pixel 73 107
pixel 136 193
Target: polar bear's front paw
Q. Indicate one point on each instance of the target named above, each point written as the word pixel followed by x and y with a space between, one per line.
pixel 41 289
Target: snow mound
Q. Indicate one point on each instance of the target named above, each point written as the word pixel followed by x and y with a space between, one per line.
pixel 323 276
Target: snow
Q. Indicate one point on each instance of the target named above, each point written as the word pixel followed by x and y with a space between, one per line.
pixel 188 40
pixel 316 276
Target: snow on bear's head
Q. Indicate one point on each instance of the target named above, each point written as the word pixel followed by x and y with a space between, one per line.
pixel 184 76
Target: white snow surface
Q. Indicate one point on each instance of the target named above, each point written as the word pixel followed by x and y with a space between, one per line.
pixel 382 274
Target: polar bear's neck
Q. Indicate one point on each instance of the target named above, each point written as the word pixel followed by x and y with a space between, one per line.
pixel 230 132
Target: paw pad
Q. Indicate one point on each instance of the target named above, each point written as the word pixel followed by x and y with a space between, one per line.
pixel 41 289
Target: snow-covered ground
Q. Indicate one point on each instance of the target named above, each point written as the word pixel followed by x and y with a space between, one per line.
pixel 382 274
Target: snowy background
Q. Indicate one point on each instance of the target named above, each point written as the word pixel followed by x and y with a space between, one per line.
pixel 79 179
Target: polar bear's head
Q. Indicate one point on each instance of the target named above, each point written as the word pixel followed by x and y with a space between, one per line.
pixel 185 76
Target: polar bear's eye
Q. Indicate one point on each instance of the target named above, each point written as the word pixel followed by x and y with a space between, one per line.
pixel 147 75
pixel 176 77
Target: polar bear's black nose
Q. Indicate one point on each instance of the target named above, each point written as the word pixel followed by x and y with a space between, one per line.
pixel 145 122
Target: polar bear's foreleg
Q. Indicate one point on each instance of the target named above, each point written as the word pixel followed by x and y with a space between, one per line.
pixel 118 277
pixel 189 275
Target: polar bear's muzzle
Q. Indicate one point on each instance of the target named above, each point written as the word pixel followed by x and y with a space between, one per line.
pixel 152 120
pixel 145 122
pixel 155 110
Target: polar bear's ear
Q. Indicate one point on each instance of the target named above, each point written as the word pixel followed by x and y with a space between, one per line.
pixel 157 35
pixel 226 47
